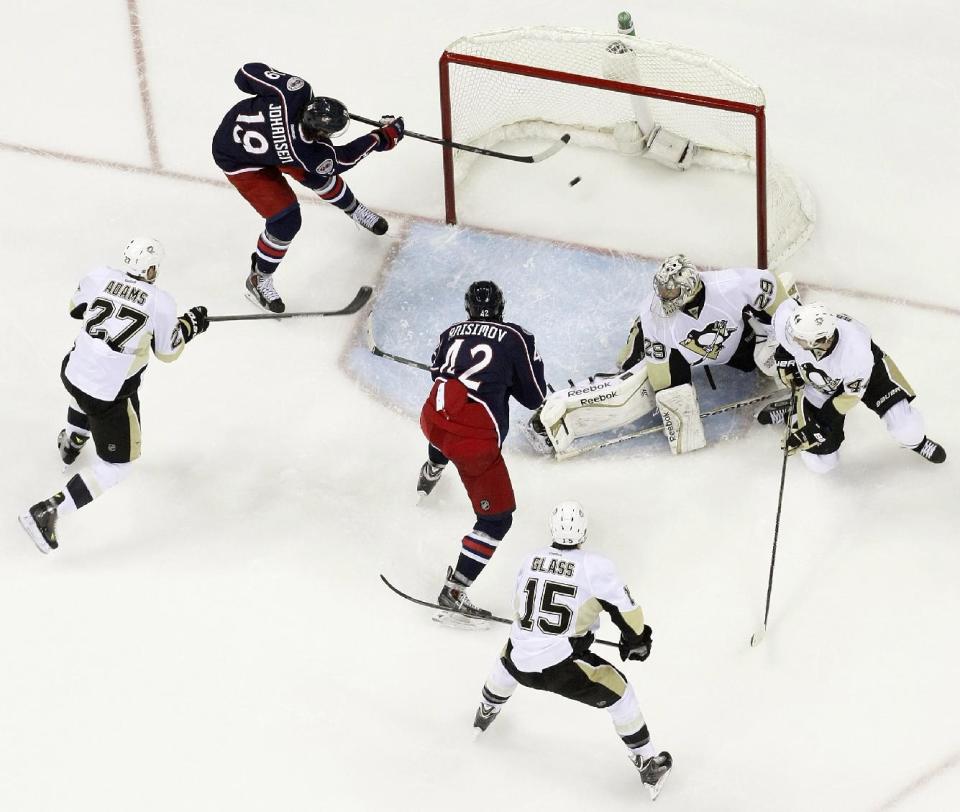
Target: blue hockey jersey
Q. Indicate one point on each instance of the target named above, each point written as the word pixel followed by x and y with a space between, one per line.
pixel 263 131
pixel 494 361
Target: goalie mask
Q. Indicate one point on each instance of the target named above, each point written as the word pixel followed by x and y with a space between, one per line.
pixel 813 328
pixel 484 301
pixel 142 258
pixel 324 117
pixel 568 525
pixel 676 283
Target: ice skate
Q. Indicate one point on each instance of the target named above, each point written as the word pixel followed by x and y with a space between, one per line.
pixel 40 522
pixel 774 414
pixel 70 445
pixel 930 450
pixel 486 713
pixel 453 596
pixel 370 220
pixel 260 289
pixel 653 771
pixel 429 477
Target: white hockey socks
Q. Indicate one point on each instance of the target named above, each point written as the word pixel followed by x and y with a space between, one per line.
pixel 680 412
pixel 905 424
pixel 82 488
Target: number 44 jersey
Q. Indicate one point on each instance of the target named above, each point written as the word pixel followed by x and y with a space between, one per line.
pixel 560 594
pixel 123 318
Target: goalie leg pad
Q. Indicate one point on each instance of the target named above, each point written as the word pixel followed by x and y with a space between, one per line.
pixel 596 405
pixel 680 412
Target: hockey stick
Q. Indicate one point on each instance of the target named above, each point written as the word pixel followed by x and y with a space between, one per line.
pixel 553 149
pixel 739 404
pixel 757 637
pixel 494 618
pixel 362 297
pixel 372 346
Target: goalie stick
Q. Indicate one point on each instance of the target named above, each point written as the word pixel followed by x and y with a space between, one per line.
pixel 576 452
pixel 553 149
pixel 431 605
pixel 362 297
pixel 372 346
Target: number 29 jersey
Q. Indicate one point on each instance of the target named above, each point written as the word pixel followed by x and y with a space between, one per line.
pixel 560 594
pixel 123 319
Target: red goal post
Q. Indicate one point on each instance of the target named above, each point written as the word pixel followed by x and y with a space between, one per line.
pixel 541 82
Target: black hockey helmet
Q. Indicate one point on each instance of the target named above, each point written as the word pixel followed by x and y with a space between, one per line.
pixel 323 117
pixel 484 301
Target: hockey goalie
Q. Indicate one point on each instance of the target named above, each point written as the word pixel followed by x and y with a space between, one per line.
pixel 689 319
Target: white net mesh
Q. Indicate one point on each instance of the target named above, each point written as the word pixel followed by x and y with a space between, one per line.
pixel 489 106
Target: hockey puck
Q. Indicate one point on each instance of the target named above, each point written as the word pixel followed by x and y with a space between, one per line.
pixel 575 181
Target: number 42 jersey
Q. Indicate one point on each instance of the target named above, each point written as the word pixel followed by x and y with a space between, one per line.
pixel 123 318
pixel 560 594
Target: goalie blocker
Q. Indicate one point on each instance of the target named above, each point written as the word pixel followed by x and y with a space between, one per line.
pixel 606 401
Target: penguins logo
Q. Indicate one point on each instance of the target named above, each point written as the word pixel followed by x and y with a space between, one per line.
pixel 709 341
pixel 819 379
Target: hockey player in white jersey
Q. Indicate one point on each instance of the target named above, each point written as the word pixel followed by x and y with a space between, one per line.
pixel 832 363
pixel 561 590
pixel 689 319
pixel 125 316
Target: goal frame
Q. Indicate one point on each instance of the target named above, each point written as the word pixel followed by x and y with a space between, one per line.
pixel 482 63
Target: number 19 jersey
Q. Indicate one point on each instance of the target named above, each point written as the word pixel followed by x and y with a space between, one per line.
pixel 560 594
pixel 123 318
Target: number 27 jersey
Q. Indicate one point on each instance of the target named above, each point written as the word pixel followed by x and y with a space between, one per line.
pixel 123 319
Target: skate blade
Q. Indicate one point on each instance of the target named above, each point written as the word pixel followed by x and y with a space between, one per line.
pixel 252 298
pixel 654 789
pixel 30 528
pixel 456 620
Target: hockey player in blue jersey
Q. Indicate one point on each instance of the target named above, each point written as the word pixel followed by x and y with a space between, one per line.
pixel 478 366
pixel 284 130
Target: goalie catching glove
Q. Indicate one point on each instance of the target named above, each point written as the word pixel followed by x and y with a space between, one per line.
pixel 390 132
pixel 636 646
pixel 193 322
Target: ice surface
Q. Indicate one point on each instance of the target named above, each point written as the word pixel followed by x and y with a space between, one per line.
pixel 213 634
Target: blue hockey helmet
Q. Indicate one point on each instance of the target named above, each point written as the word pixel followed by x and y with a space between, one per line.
pixel 484 301
pixel 323 117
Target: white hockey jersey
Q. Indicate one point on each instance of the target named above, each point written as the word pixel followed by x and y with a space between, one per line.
pixel 124 318
pixel 713 334
pixel 559 595
pixel 844 372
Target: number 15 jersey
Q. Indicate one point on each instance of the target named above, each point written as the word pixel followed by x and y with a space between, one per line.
pixel 560 594
pixel 123 319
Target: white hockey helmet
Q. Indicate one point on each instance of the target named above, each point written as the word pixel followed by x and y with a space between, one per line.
pixel 568 525
pixel 812 327
pixel 142 258
pixel 675 283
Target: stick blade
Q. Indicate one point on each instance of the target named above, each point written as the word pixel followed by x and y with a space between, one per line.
pixel 553 149
pixel 757 637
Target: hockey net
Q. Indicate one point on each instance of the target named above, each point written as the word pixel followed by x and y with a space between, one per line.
pixel 542 82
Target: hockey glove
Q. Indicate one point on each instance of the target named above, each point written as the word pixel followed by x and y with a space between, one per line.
pixel 802 439
pixel 193 322
pixel 789 372
pixel 636 646
pixel 390 132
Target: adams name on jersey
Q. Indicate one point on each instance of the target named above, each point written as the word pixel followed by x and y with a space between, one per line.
pixel 123 320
